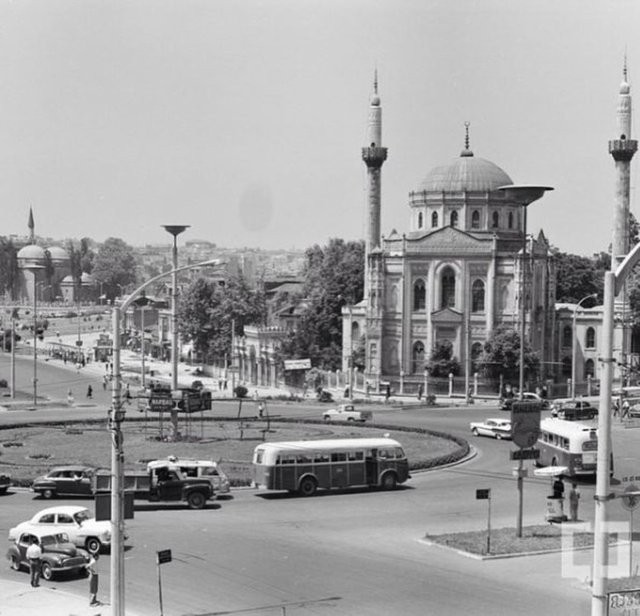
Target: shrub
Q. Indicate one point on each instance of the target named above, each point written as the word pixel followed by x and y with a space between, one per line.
pixel 240 391
pixel 3 383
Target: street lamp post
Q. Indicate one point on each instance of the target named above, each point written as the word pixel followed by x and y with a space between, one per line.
pixel 574 343
pixel 117 452
pixel 523 194
pixel 174 230
pixel 34 268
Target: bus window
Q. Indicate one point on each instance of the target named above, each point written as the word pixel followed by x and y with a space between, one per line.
pixel 355 456
pixel 320 458
pixel 386 453
pixel 399 452
pixel 259 455
pixel 338 457
pixel 303 458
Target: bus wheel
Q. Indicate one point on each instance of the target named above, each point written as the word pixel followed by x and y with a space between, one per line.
pixel 308 486
pixel 389 481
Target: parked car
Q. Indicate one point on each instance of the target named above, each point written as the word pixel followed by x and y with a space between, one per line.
pixel 202 469
pixel 5 482
pixel 346 412
pixel 58 554
pixel 573 410
pixel 77 522
pixel 67 480
pixel 494 427
pixel 527 396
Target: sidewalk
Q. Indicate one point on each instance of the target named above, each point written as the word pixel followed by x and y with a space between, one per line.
pixel 20 599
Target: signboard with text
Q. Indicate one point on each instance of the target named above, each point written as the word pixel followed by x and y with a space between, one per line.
pixel 297 364
pixel 525 423
pixel 524 454
pixel 623 603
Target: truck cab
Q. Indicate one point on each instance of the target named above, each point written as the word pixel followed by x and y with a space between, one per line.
pixel 169 484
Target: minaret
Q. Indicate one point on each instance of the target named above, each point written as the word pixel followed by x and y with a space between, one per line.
pixel 374 156
pixel 622 148
pixel 32 228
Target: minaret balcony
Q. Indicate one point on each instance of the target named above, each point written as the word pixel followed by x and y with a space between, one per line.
pixel 623 149
pixel 374 156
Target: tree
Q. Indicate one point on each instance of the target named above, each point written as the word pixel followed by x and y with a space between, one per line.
pixel 334 277
pixel 442 363
pixel 501 356
pixel 578 277
pixel 9 271
pixel 207 310
pixel 114 266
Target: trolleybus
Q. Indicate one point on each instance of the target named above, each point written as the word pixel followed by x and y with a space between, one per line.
pixel 305 466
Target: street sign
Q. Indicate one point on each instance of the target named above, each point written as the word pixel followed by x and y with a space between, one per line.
pixel 160 403
pixel 483 494
pixel 623 602
pixel 164 556
pixel 524 454
pixel 631 501
pixel 525 423
pixel 297 364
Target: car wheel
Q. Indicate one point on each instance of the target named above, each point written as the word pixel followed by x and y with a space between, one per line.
pixel 196 500
pixel 46 571
pixel 15 563
pixel 93 545
pixel 48 493
pixel 350 419
pixel 308 486
pixel 475 432
pixel 327 418
pixel 498 436
pixel 389 481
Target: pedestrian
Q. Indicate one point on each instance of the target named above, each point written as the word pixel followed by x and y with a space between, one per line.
pixel 616 407
pixel 260 410
pixel 420 391
pixel 558 488
pixel 34 556
pixel 89 392
pixel 104 382
pixel 574 500
pixel 69 397
pixel 93 579
pixel 625 408
pixel 387 393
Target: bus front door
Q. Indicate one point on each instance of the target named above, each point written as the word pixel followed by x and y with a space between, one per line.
pixel 371 466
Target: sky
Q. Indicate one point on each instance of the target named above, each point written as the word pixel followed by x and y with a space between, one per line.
pixel 245 118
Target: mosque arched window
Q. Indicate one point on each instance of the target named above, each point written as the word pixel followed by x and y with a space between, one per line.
pixel 477 296
pixel 355 333
pixel 448 283
pixel 566 366
pixel 590 338
pixel 417 358
pixel 434 220
pixel 510 219
pixel 419 295
pixel 567 336
pixel 495 220
pixel 420 220
pixel 589 368
pixel 453 219
pixel 475 219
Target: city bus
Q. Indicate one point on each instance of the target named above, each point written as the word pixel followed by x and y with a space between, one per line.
pixel 573 444
pixel 305 466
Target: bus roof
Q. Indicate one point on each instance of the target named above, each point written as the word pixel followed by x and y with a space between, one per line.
pixel 335 443
pixel 563 427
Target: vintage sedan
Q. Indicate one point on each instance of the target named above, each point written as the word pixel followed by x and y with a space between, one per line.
pixel 346 412
pixel 5 482
pixel 494 427
pixel 58 554
pixel 65 480
pixel 77 522
pixel 527 396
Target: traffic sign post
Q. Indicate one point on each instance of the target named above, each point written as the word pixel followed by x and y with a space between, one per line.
pixel 524 454
pixel 630 499
pixel 485 494
pixel 163 556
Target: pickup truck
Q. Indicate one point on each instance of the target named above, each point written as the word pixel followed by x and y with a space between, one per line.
pixel 346 412
pixel 162 483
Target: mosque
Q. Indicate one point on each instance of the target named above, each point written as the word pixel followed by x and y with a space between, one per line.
pixel 457 273
pixel 45 273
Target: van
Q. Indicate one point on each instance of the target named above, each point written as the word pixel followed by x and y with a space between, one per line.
pixel 200 469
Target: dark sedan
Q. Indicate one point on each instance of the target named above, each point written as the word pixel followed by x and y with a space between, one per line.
pixel 65 480
pixel 58 554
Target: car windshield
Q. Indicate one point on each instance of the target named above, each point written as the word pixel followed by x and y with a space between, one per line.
pixel 82 516
pixel 53 539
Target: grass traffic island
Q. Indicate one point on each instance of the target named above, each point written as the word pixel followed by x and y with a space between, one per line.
pixel 27 451
pixel 542 538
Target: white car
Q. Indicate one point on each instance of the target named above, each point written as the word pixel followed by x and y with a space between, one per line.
pixel 346 412
pixel 83 530
pixel 495 427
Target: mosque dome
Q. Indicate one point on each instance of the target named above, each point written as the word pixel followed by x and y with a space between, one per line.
pixel 465 173
pixel 31 254
pixel 58 253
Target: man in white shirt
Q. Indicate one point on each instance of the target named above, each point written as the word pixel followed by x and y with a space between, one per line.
pixel 34 554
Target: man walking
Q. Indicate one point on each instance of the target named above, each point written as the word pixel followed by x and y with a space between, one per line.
pixel 574 499
pixel 34 555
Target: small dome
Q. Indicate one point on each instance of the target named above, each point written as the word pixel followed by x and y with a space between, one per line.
pixel 32 254
pixel 67 280
pixel 467 172
pixel 58 253
pixel 87 279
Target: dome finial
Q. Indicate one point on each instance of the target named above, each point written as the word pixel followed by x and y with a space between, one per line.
pixel 624 68
pixel 466 151
pixel 375 79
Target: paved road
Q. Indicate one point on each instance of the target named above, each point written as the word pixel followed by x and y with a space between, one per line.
pixel 355 553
